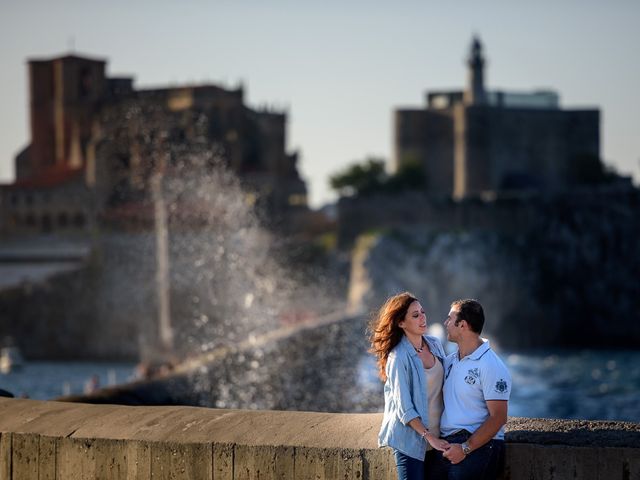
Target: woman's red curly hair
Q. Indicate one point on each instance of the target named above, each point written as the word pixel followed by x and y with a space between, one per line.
pixel 385 333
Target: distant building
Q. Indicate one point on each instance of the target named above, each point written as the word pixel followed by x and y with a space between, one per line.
pixel 96 143
pixel 476 141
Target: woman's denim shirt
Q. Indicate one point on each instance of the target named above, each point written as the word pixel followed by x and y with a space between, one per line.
pixel 405 398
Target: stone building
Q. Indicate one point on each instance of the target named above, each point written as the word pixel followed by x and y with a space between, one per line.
pixel 96 143
pixel 476 141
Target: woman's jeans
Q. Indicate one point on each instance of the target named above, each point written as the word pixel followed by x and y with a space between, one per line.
pixel 408 467
pixel 481 464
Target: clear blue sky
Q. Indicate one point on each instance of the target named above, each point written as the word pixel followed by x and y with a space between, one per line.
pixel 340 67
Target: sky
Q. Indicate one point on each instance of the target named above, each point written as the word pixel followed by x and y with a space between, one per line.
pixel 338 68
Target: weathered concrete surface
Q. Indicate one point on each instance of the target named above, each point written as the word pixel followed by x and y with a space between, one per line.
pixel 577 433
pixel 57 440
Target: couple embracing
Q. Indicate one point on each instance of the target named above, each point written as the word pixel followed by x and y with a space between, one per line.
pixel 444 415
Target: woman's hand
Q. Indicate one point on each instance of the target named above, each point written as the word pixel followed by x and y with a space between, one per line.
pixel 437 443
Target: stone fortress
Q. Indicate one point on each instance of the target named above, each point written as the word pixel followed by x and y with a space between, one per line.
pixel 517 208
pixel 476 141
pixel 490 158
pixel 96 143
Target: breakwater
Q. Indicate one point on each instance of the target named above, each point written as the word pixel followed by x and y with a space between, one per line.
pixel 58 440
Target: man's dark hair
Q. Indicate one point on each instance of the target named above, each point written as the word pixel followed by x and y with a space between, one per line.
pixel 471 311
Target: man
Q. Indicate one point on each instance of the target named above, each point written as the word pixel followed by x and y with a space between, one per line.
pixel 476 393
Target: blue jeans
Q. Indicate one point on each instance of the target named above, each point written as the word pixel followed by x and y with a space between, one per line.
pixel 481 464
pixel 408 467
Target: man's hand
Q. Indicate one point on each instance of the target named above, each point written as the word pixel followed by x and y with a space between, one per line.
pixel 454 453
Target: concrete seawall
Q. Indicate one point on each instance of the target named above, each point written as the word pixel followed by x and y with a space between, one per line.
pixel 57 440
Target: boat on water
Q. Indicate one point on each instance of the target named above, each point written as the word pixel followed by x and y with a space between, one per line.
pixel 10 359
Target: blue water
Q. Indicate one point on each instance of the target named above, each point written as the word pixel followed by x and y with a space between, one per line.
pixel 594 385
pixel 48 380
pixel 587 384
pixel 603 385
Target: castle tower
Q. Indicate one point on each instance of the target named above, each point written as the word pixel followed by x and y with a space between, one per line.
pixel 64 93
pixel 474 94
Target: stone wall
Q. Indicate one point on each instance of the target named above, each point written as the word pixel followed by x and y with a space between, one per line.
pixel 56 440
pixel 510 214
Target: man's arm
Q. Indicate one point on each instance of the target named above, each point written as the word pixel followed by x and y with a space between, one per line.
pixel 494 422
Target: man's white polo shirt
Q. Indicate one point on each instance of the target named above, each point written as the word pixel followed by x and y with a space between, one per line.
pixel 468 384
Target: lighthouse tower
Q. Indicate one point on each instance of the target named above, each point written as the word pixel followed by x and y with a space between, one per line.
pixel 475 94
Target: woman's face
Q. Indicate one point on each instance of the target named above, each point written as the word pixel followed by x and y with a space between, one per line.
pixel 415 320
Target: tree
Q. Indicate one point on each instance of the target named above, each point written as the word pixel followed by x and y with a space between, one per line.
pixel 360 179
pixel 410 176
pixel 370 177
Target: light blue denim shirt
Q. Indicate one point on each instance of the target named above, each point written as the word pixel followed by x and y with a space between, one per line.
pixel 405 398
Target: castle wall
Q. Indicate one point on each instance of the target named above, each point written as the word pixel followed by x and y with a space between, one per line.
pixel 380 212
pixel 506 214
pixel 427 137
pixel 515 149
pixel 65 207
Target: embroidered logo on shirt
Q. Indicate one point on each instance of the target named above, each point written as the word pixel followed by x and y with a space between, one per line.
pixel 501 386
pixel 472 375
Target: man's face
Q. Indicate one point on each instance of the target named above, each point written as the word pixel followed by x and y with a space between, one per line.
pixel 453 330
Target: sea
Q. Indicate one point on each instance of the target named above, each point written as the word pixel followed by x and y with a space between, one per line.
pixel 565 384
pixel 575 384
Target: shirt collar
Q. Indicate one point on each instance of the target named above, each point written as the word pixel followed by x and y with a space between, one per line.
pixel 407 344
pixel 478 352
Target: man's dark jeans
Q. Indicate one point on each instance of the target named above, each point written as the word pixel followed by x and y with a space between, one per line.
pixel 481 464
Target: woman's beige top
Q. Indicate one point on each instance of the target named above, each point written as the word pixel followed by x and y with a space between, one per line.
pixel 435 376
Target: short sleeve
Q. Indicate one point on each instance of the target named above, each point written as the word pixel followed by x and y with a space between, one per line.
pixel 496 381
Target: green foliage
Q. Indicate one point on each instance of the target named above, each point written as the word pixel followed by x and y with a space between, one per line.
pixel 358 179
pixel 370 177
pixel 410 176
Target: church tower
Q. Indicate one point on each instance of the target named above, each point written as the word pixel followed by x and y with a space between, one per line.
pixel 64 94
pixel 474 94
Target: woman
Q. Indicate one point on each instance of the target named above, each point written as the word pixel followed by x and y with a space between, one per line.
pixel 410 364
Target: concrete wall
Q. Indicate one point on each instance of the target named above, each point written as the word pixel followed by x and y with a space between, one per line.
pixel 55 440
pixel 506 214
